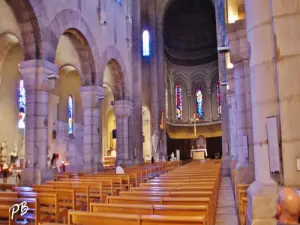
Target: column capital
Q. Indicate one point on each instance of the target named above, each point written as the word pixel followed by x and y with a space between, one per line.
pixel 237 35
pixel 123 108
pixel 53 99
pixel 38 74
pixel 189 93
pixel 91 95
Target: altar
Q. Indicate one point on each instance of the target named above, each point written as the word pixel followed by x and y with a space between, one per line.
pixel 198 154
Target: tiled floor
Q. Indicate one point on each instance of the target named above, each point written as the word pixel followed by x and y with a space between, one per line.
pixel 226 211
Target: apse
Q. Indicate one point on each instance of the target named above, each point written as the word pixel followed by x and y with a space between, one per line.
pixel 190 32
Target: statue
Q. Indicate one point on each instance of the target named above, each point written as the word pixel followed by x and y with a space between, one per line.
pixel 4 151
pixel 288 206
pixel 14 154
pixel 173 157
pixel 155 138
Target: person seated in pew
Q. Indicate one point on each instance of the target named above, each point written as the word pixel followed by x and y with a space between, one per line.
pixel 152 160
pixel 119 169
pixel 288 206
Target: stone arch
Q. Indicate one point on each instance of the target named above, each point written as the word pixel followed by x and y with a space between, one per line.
pixel 111 57
pixel 198 82
pixel 25 12
pixel 7 41
pixel 115 79
pixel 182 77
pixel 214 80
pixel 181 82
pixel 71 23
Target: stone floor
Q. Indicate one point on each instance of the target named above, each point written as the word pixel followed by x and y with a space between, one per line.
pixel 226 211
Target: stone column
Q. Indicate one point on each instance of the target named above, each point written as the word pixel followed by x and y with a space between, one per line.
pixel 137 155
pixel 97 129
pixel 92 153
pixel 263 192
pixel 161 73
pixel 210 104
pixel 286 36
pixel 173 104
pixel 189 98
pixel 221 37
pixel 122 109
pixel 153 71
pixel 35 75
pixel 232 116
pixel 52 119
pixel 239 58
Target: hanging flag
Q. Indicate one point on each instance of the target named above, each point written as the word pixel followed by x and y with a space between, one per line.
pixel 162 122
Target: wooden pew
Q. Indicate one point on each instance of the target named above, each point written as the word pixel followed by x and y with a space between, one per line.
pixel 164 210
pixel 162 201
pixel 178 184
pixel 33 213
pixel 72 198
pixel 179 194
pixel 96 189
pixel 242 201
pixel 77 217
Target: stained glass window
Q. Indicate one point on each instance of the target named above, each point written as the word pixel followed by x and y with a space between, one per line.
pixel 199 104
pixel 70 114
pixel 120 1
pixel 219 99
pixel 22 105
pixel 178 102
pixel 146 43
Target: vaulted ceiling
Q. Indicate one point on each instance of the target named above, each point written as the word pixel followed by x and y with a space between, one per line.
pixel 190 32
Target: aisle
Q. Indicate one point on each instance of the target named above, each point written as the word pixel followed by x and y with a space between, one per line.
pixel 226 212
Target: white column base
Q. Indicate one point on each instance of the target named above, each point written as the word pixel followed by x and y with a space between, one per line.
pixel 261 204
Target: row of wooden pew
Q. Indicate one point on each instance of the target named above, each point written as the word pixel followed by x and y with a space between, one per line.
pixel 241 197
pixel 161 193
pixel 186 195
pixel 52 201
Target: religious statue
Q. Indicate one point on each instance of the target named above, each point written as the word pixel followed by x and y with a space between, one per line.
pixel 14 154
pixel 173 157
pixel 155 139
pixel 288 206
pixel 4 151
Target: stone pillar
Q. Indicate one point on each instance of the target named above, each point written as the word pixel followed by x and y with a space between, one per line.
pixel 52 119
pixel 189 98
pixel 35 75
pixel 153 71
pixel 239 58
pixel 92 154
pixel 232 116
pixel 263 192
pixel 137 82
pixel 286 35
pixel 122 109
pixel 210 104
pixel 221 37
pixel 173 104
